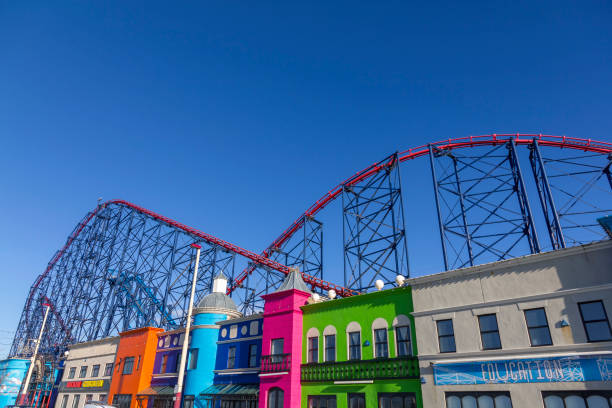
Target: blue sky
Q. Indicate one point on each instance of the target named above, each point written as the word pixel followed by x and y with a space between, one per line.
pixel 233 117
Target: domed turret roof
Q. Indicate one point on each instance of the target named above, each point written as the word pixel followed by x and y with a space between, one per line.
pixel 217 300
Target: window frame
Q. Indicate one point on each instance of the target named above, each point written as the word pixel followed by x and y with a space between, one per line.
pixel 253 356
pixel 64 401
pixel 398 342
pixel 125 364
pixel 403 395
pixel 321 397
pixel 476 394
pixel 355 394
pixel 193 352
pixel 385 330
pixel 163 367
pixel 231 357
pixel 108 370
pixel 452 325
pixel 95 370
pixel 312 352
pixel 537 327
pixel 584 322
pixel 327 348
pixel 76 400
pixel 351 346
pixel 71 372
pixel 276 391
pixel 83 372
pixel 489 331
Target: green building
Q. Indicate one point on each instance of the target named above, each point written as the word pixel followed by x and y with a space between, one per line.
pixel 361 352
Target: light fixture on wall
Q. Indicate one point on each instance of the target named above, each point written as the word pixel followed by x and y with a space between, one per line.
pixel 400 279
pixel 379 284
pixel 331 293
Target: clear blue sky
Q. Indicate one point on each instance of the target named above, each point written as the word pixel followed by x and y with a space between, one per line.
pixel 234 117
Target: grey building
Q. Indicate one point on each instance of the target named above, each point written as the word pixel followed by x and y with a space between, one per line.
pixel 524 333
pixel 87 373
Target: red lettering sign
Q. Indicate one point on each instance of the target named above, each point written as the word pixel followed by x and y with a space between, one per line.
pixel 73 384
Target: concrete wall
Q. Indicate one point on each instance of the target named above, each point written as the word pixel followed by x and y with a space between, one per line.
pixel 556 281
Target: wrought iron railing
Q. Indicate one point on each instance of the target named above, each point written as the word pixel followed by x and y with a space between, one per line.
pixel 402 367
pixel 275 363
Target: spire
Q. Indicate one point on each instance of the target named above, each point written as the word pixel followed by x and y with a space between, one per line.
pixel 294 281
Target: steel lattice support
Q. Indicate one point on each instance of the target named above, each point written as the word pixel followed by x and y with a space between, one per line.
pixel 373 226
pixel 483 210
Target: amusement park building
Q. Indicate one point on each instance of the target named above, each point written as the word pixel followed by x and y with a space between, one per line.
pixel 88 370
pixel 527 332
pixel 12 373
pixel 359 352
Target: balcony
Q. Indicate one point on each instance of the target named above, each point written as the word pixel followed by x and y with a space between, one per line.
pixel 275 363
pixel 355 370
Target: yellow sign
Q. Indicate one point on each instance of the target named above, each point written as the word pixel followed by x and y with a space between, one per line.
pixel 92 383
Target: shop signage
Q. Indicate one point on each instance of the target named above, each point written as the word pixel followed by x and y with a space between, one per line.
pixel 93 383
pixel 73 384
pixel 553 369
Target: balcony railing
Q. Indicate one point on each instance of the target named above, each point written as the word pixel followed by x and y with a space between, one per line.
pixel 403 367
pixel 275 363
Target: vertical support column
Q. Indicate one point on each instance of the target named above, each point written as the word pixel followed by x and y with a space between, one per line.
pixel 547 201
pixel 373 226
pixel 468 238
pixel 519 187
pixel 437 197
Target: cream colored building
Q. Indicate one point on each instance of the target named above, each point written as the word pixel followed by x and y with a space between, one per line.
pixel 529 332
pixel 87 373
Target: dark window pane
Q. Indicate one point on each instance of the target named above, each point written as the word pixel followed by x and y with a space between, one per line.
pixel 536 317
pixel 488 323
pixel 445 327
pixel 598 331
pixel 447 345
pixel 490 341
pixel 592 311
pixel 540 336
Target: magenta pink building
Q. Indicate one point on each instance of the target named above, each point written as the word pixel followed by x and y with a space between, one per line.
pixel 282 344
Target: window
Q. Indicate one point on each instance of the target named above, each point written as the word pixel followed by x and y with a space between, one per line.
pixel 489 332
pixel 95 370
pixel 537 326
pixel 122 400
pixel 402 337
pixel 577 399
pixel 108 370
pixel 88 397
pixel 396 400
pixel 177 361
pixel 355 345
pixel 446 336
pixel 72 372
pixel 321 401
pixel 164 364
pixel 478 400
pixel 313 349
pixel 138 365
pixel 356 400
pixel 276 348
pixel 102 397
pixel 253 356
pixel 330 347
pixel 275 398
pixel 193 359
pixel 83 372
pixel 128 365
pixel 231 357
pixel 188 401
pixel 75 401
pixel 380 343
pixel 595 320
pixel 64 401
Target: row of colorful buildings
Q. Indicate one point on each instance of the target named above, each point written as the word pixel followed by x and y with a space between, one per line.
pixel 526 332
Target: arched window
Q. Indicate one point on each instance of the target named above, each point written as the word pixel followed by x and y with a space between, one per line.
pixel 275 398
pixel 381 343
pixel 401 329
pixel 353 338
pixel 312 342
pixel 329 336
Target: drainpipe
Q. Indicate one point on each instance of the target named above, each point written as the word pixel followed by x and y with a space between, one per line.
pixel 178 396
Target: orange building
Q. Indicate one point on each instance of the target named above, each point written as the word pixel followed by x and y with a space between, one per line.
pixel 133 365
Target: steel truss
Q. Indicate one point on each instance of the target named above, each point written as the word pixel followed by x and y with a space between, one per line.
pixel 373 228
pixel 483 209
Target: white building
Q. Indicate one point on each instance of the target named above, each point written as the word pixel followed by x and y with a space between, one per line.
pixel 524 333
pixel 87 373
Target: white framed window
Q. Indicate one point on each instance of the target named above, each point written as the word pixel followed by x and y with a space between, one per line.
pixel 353 338
pixel 380 328
pixel 403 341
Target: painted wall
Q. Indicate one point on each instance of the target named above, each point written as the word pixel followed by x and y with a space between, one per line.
pixel 169 345
pixel 142 345
pixel 239 333
pixel 283 319
pixel 204 336
pixel 12 374
pixel 394 306
pixel 555 281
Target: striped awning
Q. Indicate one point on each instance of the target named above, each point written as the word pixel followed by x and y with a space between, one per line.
pixel 159 390
pixel 231 389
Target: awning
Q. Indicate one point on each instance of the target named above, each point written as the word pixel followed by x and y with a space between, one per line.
pixel 231 389
pixel 159 390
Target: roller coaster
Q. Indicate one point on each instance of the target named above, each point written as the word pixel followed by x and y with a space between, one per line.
pixel 124 266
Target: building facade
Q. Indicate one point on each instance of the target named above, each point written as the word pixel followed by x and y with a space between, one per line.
pixel 360 352
pixel 282 344
pixel 88 372
pixel 526 332
pixel 236 374
pixel 133 365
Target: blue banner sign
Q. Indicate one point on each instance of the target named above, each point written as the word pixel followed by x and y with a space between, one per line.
pixel 553 369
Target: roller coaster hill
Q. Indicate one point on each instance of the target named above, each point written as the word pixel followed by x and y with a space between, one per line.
pixel 124 266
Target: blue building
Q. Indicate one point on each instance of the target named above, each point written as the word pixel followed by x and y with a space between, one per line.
pixel 12 373
pixel 236 375
pixel 213 308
